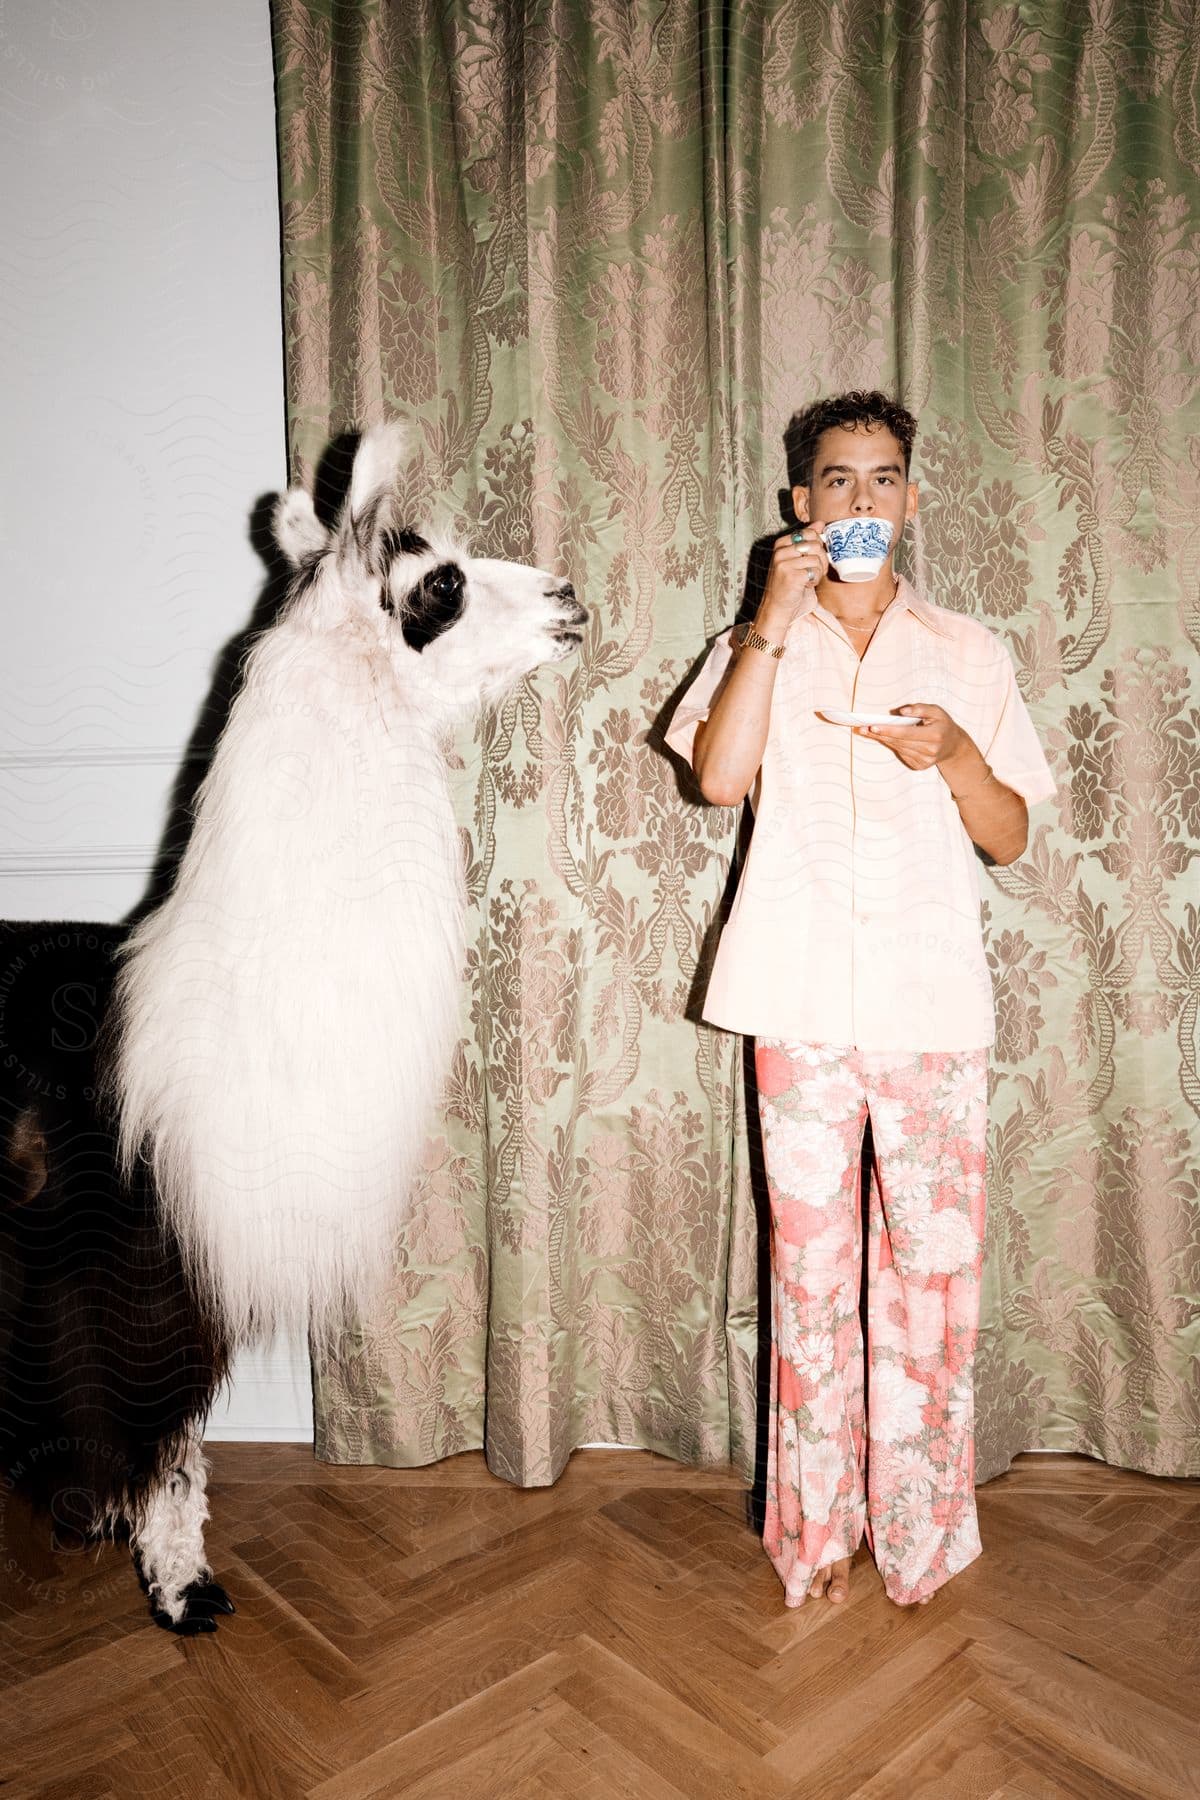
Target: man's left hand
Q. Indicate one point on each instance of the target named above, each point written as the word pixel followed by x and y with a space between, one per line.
pixel 935 740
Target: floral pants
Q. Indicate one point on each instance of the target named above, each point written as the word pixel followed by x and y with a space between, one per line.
pixel 895 1464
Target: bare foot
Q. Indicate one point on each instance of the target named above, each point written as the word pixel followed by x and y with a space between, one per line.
pixel 833 1581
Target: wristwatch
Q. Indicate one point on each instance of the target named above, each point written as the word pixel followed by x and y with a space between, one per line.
pixel 754 640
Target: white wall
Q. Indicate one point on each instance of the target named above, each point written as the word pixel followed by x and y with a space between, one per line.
pixel 142 417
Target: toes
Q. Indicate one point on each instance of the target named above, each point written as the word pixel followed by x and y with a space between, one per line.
pixel 833 1580
pixel 190 1625
pixel 195 1625
pixel 207 1597
pixel 201 1600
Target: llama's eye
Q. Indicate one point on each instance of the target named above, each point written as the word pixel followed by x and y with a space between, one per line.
pixel 435 605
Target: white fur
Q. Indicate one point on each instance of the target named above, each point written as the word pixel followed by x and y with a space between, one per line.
pixel 376 461
pixel 298 531
pixel 287 1015
pixel 167 1536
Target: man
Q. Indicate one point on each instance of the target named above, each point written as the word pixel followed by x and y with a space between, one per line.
pixel 853 955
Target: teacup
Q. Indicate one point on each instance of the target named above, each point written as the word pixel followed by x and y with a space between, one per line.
pixel 857 547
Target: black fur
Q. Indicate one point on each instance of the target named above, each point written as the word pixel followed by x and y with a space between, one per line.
pixel 382 548
pixel 430 607
pixel 105 1357
pixel 307 570
pixel 434 605
pixel 399 543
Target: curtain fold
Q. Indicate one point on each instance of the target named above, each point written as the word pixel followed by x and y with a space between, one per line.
pixel 598 251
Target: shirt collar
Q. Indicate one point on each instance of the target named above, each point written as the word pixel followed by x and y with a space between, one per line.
pixel 906 595
pixel 928 615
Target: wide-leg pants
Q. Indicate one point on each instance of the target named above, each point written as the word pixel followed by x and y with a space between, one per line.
pixel 894 1464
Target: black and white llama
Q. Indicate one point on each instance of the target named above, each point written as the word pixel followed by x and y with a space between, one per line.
pixel 236 1156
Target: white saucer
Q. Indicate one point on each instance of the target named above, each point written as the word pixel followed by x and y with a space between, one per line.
pixel 862 718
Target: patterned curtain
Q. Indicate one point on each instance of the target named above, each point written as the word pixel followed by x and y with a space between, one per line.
pixel 598 250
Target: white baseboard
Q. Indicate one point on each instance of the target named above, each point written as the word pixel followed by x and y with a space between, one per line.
pixel 268 1399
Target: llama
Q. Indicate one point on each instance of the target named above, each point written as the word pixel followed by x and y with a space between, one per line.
pixel 278 1028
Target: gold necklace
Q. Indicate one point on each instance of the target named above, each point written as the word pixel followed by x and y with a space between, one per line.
pixel 847 626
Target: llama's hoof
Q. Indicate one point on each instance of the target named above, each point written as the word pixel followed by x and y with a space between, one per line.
pixel 200 1601
pixel 208 1596
pixel 190 1625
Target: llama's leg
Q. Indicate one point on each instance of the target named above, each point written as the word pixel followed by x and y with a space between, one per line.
pixel 167 1539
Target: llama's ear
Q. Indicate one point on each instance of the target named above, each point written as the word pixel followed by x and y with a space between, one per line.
pixel 298 531
pixel 381 454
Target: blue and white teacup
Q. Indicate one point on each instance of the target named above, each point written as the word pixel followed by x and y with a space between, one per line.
pixel 857 547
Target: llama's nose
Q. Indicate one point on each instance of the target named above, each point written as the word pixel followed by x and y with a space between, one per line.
pixel 575 610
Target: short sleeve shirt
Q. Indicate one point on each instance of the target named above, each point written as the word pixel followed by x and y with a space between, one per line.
pixel 856 918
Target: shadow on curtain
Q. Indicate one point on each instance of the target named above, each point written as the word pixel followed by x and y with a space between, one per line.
pixel 599 250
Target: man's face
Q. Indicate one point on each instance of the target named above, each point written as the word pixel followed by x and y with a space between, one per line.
pixel 857 471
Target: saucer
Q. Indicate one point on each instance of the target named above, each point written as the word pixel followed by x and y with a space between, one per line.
pixel 835 717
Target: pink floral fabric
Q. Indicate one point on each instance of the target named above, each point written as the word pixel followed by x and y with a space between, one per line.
pixel 895 1464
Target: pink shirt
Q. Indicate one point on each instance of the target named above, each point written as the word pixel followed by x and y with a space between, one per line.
pixel 856 919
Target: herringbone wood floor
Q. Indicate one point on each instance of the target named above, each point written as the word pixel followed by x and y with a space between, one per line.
pixel 437 1633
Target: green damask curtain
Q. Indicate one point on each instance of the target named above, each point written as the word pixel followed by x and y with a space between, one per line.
pixel 599 250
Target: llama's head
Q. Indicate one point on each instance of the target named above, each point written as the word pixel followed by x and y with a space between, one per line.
pixel 464 628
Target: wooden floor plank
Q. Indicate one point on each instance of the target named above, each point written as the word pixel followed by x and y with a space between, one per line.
pixel 162 1761
pixel 64 1755
pixel 511 1759
pixel 717 1679
pixel 463 1729
pixel 100 1681
pixel 1041 1771
pixel 682 1746
pixel 1066 1704
pixel 1083 1613
pixel 460 1657
pixel 271 1750
pixel 299 1650
pixel 854 1732
pixel 952 1759
pixel 608 1771
pixel 620 1636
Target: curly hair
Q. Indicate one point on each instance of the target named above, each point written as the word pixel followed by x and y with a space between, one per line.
pixel 859 407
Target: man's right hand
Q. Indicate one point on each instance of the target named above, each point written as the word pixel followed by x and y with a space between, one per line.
pixel 728 746
pixel 798 562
